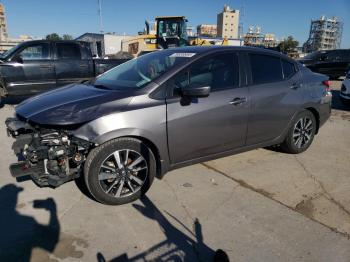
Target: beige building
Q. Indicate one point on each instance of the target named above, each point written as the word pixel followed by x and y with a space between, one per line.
pixel 3 25
pixel 207 30
pixel 11 42
pixel 6 42
pixel 228 23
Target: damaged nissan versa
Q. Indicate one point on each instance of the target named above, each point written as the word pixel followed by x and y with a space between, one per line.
pixel 166 110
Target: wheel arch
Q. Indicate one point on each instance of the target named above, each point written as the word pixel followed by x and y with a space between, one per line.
pixel 316 115
pixel 161 163
pixel 154 150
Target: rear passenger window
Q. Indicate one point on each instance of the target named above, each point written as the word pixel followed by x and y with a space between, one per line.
pixel 218 72
pixel 68 51
pixel 265 68
pixel 288 69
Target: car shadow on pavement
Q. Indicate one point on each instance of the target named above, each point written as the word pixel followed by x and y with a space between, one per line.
pixel 178 246
pixel 336 102
pixel 20 234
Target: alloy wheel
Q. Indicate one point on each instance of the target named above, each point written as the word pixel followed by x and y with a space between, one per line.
pixel 123 173
pixel 302 132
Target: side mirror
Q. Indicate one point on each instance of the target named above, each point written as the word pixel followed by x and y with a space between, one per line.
pixel 323 58
pixel 17 59
pixel 195 90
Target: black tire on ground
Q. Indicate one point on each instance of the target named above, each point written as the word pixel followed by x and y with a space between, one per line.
pixel 291 142
pixel 345 102
pixel 98 156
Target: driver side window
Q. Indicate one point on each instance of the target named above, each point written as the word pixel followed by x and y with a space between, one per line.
pixel 35 52
pixel 218 71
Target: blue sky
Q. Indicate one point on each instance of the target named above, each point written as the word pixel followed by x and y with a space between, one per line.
pixel 75 17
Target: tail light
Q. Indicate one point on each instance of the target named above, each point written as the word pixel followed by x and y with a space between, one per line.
pixel 327 84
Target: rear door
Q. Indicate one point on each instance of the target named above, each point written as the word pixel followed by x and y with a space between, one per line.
pixel 276 95
pixel 31 70
pixel 70 65
pixel 204 126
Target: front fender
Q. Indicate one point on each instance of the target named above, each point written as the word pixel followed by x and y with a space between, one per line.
pixel 146 123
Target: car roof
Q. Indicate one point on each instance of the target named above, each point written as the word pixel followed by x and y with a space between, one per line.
pixel 202 50
pixel 205 49
pixel 51 41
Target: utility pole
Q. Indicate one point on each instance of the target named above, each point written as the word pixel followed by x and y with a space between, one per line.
pixel 100 15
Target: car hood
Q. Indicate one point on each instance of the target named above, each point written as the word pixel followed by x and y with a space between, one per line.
pixel 73 104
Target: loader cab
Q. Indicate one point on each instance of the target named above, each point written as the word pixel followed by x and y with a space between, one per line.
pixel 171 31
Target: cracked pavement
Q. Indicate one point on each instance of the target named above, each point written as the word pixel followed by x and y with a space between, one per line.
pixel 261 205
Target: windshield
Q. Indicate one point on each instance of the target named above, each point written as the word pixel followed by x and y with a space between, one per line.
pixel 138 72
pixel 10 51
pixel 172 28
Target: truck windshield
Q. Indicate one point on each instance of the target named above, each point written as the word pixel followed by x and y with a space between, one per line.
pixel 11 51
pixel 171 28
pixel 138 72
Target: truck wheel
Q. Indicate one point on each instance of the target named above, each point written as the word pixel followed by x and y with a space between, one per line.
pixel 119 171
pixel 300 134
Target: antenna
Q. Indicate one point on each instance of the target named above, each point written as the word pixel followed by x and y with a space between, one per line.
pixel 100 15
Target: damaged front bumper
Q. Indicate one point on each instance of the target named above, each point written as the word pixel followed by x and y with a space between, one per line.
pixel 50 156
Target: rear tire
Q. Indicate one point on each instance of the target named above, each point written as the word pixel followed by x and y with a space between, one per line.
pixel 300 134
pixel 119 171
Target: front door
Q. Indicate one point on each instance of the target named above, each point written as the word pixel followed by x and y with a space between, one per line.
pixel 201 127
pixel 31 70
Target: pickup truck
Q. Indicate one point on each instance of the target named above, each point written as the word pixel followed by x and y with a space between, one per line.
pixel 41 65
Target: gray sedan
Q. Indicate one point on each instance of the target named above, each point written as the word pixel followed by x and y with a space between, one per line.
pixel 166 110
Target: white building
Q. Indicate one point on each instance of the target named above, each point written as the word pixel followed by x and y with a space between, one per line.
pixel 103 44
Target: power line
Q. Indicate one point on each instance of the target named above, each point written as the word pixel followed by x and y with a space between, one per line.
pixel 100 14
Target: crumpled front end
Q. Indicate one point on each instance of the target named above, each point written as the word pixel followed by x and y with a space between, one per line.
pixel 51 156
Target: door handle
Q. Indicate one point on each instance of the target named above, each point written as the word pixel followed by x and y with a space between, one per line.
pixel 83 66
pixel 45 66
pixel 238 100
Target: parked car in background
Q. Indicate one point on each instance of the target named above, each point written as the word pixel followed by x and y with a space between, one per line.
pixel 345 90
pixel 166 110
pixel 333 63
pixel 37 66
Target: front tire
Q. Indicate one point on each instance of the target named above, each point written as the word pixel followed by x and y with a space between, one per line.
pixel 300 134
pixel 119 171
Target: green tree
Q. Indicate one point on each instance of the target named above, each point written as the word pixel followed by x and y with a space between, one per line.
pixel 67 37
pixel 53 36
pixel 288 45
